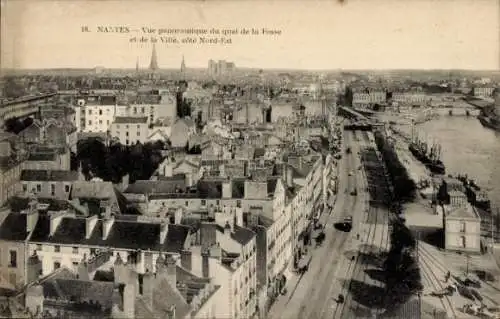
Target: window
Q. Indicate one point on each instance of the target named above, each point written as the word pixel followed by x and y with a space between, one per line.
pixel 142 110
pixel 187 203
pixel 462 226
pixel 39 247
pixel 217 202
pixel 57 265
pixel 203 202
pixel 90 112
pixel 75 250
pixel 38 187
pixel 52 189
pixel 126 126
pixel 135 110
pixel 126 142
pixel 100 112
pixel 13 258
pixel 100 121
pixel 126 133
pixel 66 188
pixel 107 122
pixel 25 187
pixel 90 122
pixel 57 249
pixel 117 126
pixel 138 133
pixel 75 264
pixel 238 203
pixel 92 251
pixel 463 243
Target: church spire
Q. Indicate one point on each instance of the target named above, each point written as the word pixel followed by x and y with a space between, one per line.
pixel 154 60
pixel 183 65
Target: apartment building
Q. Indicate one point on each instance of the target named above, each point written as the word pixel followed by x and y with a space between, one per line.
pixel 122 291
pixel 48 183
pixel 483 91
pixel 12 159
pixel 410 98
pixel 48 158
pixel 96 112
pixel 228 255
pixel 130 130
pixel 365 99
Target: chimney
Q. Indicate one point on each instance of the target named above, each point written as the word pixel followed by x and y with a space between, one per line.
pixel 227 189
pixel 205 264
pixel 171 269
pixel 120 271
pixel 238 216
pixel 83 273
pixel 228 229
pixel 148 260
pixel 106 226
pixel 163 232
pixel 90 223
pixel 186 259
pixel 289 175
pixel 179 212
pixel 34 267
pixel 148 282
pixel 31 220
pixel 55 220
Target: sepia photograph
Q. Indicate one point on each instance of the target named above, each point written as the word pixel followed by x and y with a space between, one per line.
pixel 252 159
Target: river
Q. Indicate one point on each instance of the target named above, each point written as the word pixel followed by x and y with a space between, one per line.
pixel 468 148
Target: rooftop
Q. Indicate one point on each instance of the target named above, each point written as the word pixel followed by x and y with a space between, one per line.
pixel 48 175
pixel 130 120
pixel 123 234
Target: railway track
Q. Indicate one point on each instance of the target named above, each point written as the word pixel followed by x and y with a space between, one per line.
pixel 424 258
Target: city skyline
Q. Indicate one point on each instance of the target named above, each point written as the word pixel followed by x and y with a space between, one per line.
pixel 357 36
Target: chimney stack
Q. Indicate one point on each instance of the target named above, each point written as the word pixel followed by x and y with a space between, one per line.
pixel 163 232
pixel 55 220
pixel 90 223
pixel 227 189
pixel 205 264
pixel 106 226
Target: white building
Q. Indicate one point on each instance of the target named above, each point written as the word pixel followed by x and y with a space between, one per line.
pixel 95 113
pixel 129 130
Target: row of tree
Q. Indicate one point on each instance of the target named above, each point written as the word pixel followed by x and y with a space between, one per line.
pixel 113 162
pixel 404 187
pixel 402 272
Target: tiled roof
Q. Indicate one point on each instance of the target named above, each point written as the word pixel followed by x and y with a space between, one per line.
pixel 80 291
pixel 48 175
pixel 14 227
pixel 164 297
pixel 210 189
pixel 42 157
pixel 123 234
pixel 130 120
pixel 242 235
pixel 85 189
pixel 156 187
pixel 271 185
pixel 18 204
pixel 238 188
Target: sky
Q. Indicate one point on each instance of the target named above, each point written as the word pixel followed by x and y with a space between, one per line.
pixel 360 34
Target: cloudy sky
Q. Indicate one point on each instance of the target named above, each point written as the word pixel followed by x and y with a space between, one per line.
pixel 361 34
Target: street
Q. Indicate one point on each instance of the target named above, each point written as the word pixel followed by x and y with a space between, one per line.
pixel 319 287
